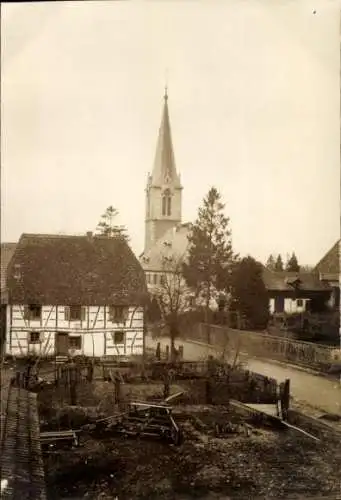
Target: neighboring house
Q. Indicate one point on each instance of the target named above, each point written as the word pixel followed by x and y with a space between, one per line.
pixel 7 251
pixel 291 292
pixel 75 295
pixel 328 269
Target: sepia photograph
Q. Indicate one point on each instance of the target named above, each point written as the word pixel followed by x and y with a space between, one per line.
pixel 170 250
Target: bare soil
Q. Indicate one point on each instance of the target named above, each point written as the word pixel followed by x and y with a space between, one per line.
pixel 267 463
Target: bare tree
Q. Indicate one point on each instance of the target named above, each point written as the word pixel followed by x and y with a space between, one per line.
pixel 172 295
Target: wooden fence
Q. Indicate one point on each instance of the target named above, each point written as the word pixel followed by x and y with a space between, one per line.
pixel 315 356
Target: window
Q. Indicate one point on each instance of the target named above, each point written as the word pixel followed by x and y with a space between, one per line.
pixel 299 302
pixel 34 338
pixel 166 202
pixel 75 313
pixel 118 337
pixel 163 280
pixel 75 342
pixel 33 312
pixel 118 314
pixel 191 301
pixel 155 279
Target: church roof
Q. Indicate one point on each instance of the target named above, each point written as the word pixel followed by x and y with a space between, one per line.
pixel 164 169
pixel 173 243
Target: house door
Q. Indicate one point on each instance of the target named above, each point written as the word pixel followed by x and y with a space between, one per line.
pixel 62 344
pixel 279 304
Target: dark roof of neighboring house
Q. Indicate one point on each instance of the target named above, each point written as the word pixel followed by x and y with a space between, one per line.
pixel 330 262
pixel 7 250
pixel 84 270
pixel 286 281
pixel 21 459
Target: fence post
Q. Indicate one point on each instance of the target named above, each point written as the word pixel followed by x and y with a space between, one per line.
pixel 117 389
pixel 285 398
pixel 72 379
pixel 166 389
pixel 158 351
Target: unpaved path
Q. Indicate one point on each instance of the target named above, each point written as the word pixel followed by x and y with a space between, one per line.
pixel 316 390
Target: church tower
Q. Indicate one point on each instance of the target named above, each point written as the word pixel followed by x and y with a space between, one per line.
pixel 163 191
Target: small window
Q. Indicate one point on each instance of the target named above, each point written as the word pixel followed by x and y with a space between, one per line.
pixel 155 279
pixel 75 313
pixel 299 302
pixel 190 301
pixel 118 314
pixel 118 337
pixel 34 338
pixel 75 342
pixel 33 312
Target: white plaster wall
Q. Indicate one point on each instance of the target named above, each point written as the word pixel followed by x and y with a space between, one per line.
pixel 96 331
pixel 290 305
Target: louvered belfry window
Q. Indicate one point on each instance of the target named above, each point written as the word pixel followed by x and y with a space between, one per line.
pixel 166 203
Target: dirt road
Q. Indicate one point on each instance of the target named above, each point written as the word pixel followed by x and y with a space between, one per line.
pixel 317 391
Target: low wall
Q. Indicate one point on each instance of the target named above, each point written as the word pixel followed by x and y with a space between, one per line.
pixel 315 356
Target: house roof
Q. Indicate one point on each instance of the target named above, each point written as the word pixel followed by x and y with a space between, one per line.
pixel 86 270
pixel 330 262
pixel 286 281
pixel 7 251
pixel 173 243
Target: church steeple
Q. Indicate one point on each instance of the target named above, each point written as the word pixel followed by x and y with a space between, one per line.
pixel 164 169
pixel 163 192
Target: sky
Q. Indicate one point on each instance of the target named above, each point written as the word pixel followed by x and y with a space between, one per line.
pixel 254 103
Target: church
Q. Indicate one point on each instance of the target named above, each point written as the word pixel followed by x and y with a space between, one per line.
pixel 165 234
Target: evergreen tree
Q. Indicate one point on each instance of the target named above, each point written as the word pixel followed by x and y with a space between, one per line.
pixel 279 263
pixel 270 263
pixel 208 267
pixel 249 295
pixel 108 228
pixel 292 264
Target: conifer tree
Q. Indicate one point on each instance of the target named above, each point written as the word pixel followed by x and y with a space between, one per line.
pixel 210 255
pixel 270 263
pixel 107 226
pixel 249 294
pixel 292 264
pixel 279 263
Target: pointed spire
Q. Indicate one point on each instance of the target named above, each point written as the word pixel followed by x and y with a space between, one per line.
pixel 164 170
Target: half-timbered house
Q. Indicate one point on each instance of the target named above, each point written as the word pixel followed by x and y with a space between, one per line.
pixel 81 295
